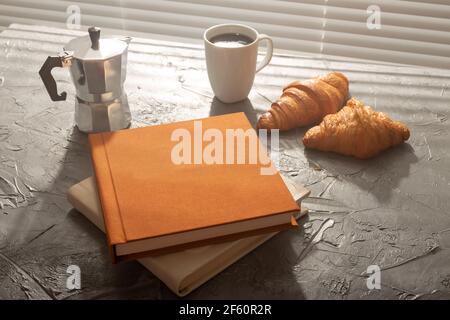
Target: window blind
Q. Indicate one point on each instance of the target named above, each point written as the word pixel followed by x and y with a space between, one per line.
pixel 397 31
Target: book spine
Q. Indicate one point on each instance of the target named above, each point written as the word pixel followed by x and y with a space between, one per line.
pixel 107 194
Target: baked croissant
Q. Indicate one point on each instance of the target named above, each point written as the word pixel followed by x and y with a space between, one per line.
pixel 357 131
pixel 305 103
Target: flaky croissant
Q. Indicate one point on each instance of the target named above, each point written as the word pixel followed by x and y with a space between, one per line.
pixel 357 131
pixel 305 103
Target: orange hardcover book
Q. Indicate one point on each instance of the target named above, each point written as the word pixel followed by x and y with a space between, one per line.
pixel 220 193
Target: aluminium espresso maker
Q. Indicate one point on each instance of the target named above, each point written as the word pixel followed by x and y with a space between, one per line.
pixel 98 71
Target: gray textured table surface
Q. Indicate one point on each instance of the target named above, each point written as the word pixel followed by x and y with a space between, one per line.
pixel 393 211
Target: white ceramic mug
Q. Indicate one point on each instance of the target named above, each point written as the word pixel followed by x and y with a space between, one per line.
pixel 231 71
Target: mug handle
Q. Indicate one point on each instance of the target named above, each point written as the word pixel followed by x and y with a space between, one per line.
pixel 269 52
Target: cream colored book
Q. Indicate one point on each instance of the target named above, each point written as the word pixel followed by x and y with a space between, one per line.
pixel 185 270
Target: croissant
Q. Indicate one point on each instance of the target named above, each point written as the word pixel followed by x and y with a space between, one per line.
pixel 305 103
pixel 356 130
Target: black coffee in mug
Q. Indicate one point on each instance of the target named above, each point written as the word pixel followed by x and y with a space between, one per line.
pixel 231 40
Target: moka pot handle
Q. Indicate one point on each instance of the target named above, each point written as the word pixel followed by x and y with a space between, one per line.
pixel 62 60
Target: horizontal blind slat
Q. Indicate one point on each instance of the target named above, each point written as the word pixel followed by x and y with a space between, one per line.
pixel 420 47
pixel 297 8
pixel 411 31
pixel 431 1
pixel 423 9
pixel 141 26
pixel 386 55
pixel 198 10
pixel 394 32
pixel 392 19
pixel 127 16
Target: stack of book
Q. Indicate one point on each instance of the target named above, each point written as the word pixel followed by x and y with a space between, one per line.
pixel 181 211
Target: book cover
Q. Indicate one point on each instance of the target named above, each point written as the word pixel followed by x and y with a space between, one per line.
pixel 139 172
